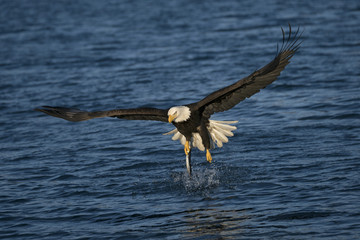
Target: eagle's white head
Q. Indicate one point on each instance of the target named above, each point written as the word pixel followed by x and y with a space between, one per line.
pixel 179 114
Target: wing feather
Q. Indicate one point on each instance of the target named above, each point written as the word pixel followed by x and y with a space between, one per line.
pixel 76 115
pixel 226 98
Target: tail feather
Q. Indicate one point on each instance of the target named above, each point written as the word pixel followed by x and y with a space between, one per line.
pixel 219 133
pixel 219 136
pixel 197 142
pixel 214 142
pixel 226 132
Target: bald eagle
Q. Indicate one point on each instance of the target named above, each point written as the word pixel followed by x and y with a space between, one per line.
pixel 193 126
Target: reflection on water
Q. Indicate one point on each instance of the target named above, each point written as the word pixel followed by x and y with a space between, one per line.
pixel 211 219
pixel 214 221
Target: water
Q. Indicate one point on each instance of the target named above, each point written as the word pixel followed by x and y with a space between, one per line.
pixel 290 172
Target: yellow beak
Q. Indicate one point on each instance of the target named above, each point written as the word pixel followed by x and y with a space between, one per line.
pixel 171 118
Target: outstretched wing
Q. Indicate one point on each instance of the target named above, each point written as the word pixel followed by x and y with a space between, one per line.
pixel 76 115
pixel 228 97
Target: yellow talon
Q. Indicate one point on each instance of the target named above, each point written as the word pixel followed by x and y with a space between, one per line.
pixel 187 148
pixel 208 156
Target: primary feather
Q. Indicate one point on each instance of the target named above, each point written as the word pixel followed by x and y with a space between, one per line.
pixel 226 98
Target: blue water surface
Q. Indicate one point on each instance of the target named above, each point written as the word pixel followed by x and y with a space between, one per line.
pixel 292 170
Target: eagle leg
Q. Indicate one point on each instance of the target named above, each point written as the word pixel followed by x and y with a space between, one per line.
pixel 187 147
pixel 208 156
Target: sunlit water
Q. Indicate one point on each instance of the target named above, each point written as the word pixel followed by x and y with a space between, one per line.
pixel 290 172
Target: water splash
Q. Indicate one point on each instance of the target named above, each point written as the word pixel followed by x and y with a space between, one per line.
pixel 205 180
pixel 202 181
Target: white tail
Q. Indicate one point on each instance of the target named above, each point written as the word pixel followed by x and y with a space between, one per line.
pixel 219 131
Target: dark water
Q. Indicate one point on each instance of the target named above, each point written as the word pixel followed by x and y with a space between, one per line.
pixel 292 171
